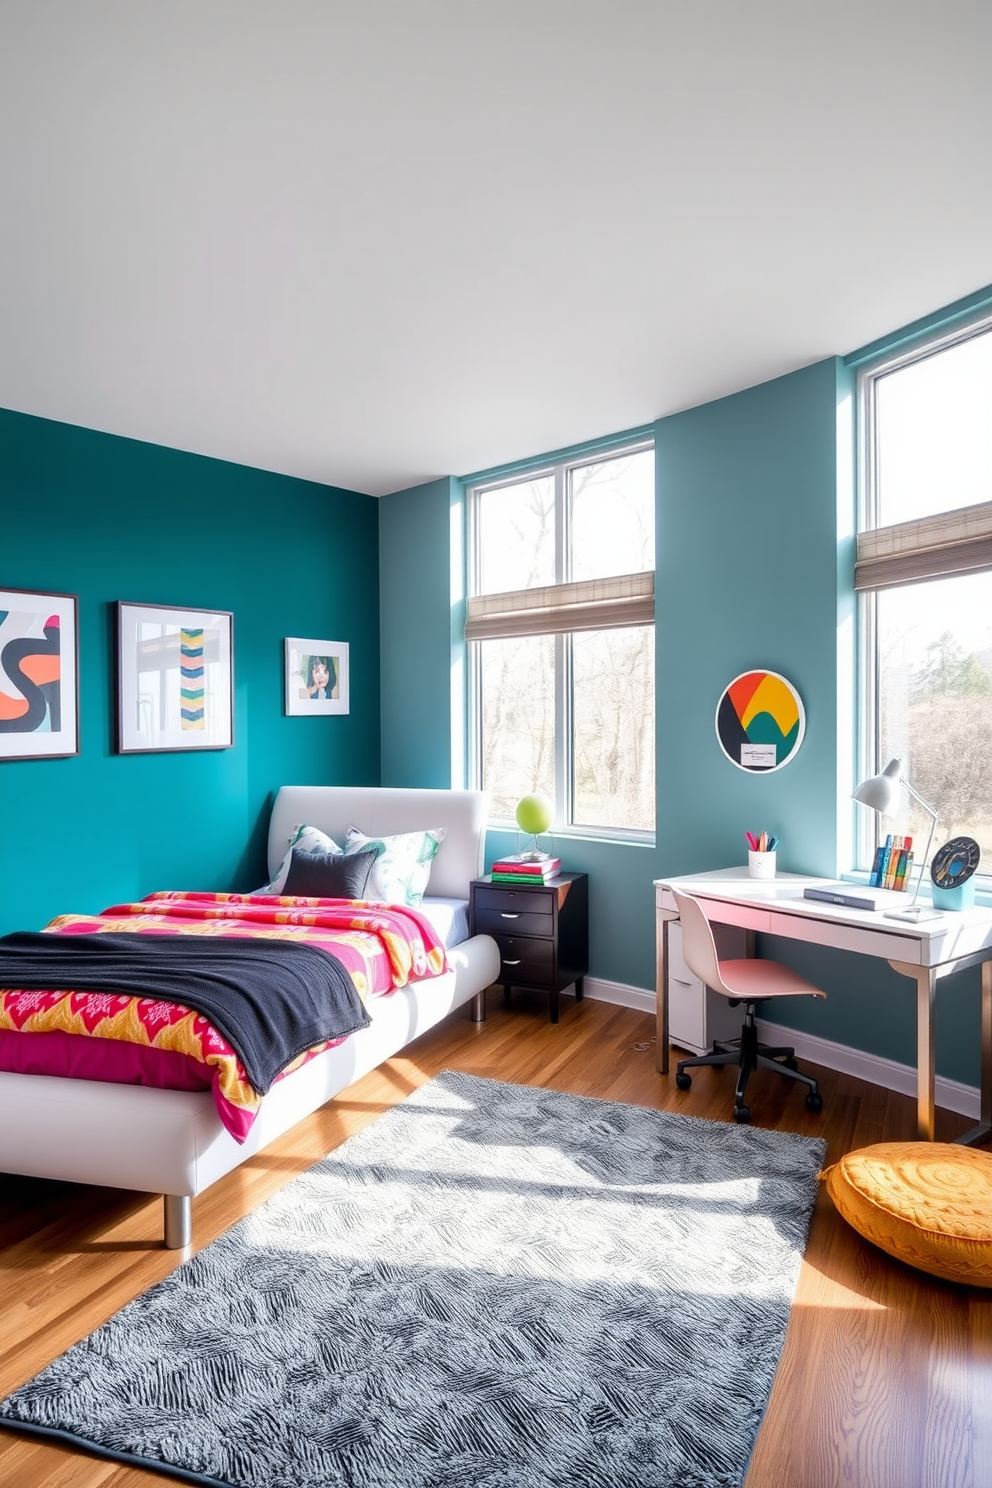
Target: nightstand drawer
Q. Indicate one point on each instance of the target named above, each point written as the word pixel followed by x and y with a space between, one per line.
pixel 513 901
pixel 523 960
pixel 511 922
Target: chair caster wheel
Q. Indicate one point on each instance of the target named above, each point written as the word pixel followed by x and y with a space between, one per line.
pixel 742 1114
pixel 682 1080
pixel 814 1101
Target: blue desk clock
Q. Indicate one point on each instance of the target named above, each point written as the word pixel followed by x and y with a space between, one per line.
pixel 953 873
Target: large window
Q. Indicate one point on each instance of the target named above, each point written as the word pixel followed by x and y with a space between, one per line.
pixel 925 572
pixel 561 639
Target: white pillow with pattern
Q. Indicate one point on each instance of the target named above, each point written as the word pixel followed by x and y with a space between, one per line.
pixel 403 866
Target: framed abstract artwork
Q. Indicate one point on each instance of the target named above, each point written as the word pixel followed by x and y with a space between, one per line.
pixel 175 678
pixel 760 721
pixel 316 677
pixel 39 674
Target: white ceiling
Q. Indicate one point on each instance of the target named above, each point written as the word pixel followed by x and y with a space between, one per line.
pixel 371 242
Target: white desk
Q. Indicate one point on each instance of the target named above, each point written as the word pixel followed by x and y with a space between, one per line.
pixel 925 952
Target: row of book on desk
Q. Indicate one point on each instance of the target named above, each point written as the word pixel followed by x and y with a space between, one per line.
pixel 893 863
pixel 520 870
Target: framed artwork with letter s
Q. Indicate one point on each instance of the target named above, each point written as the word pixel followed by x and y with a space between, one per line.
pixel 175 678
pixel 39 674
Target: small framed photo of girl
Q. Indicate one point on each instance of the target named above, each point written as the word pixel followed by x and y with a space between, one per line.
pixel 316 677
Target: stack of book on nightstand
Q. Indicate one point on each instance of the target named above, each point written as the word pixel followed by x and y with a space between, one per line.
pixel 519 870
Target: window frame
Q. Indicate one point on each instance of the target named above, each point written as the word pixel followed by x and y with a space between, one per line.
pixel 914 555
pixel 559 468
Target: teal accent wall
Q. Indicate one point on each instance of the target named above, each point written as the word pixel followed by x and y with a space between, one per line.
pixel 747 578
pixel 109 519
pixel 421 589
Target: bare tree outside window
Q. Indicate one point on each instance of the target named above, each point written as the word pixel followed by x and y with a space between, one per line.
pixel 935 648
pixel 517 678
pixel 613 719
pixel 515 531
pixel 612 517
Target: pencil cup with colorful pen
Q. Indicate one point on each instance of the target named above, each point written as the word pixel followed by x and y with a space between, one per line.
pixel 761 854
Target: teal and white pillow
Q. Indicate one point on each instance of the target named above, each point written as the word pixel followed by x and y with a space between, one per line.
pixel 403 863
pixel 309 839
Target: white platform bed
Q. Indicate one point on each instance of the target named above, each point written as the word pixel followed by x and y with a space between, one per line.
pixel 172 1141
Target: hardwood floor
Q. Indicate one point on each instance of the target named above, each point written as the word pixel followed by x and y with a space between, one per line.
pixel 886 1377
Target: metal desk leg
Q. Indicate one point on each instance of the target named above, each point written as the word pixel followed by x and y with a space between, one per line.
pixel 983 1130
pixel 661 990
pixel 925 978
pixel 926 1055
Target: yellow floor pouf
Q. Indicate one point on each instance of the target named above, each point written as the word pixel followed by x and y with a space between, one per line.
pixel 929 1204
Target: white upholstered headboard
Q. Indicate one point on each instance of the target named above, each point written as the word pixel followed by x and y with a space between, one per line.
pixel 382 811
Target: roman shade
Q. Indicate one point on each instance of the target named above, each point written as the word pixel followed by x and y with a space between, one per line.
pixel 587 604
pixel 955 542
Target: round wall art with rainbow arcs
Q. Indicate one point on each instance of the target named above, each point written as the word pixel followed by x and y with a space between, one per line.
pixel 760 721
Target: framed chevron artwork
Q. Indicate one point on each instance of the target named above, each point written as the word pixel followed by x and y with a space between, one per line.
pixel 175 678
pixel 39 685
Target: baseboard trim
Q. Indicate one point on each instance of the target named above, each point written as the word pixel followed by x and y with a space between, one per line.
pixel 951 1095
pixel 618 993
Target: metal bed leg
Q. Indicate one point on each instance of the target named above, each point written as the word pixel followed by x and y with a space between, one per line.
pixel 178 1221
pixel 479 1007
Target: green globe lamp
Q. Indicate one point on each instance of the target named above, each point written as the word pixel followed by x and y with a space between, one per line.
pixel 535 813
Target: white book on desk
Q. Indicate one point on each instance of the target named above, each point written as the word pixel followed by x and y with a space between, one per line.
pixel 842 893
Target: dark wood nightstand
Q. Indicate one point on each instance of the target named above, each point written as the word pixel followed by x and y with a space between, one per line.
pixel 542 931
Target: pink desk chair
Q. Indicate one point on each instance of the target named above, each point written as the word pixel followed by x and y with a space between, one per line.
pixel 750 981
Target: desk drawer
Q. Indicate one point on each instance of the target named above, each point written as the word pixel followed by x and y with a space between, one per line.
pixel 677 969
pixel 510 922
pixel 724 911
pixel 524 961
pixel 747 916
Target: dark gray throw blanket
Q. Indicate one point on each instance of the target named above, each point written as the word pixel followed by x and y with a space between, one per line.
pixel 271 1000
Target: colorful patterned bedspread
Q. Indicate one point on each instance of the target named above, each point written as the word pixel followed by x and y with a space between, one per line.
pixel 141 1040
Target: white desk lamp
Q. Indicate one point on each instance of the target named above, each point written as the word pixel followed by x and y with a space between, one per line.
pixel 881 793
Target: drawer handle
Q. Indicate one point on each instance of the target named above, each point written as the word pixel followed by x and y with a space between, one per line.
pixel 511 963
pixel 505 915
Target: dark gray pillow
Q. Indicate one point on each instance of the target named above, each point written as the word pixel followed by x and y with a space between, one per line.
pixel 329 875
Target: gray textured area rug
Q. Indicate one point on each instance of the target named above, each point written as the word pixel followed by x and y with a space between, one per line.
pixel 491 1285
